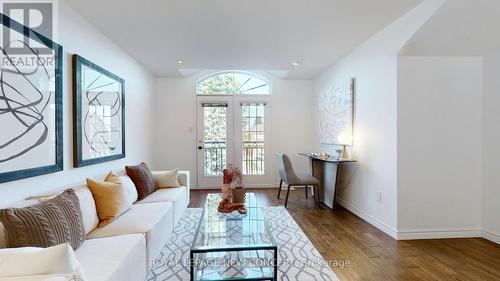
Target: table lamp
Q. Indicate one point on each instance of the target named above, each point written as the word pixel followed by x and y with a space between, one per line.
pixel 345 139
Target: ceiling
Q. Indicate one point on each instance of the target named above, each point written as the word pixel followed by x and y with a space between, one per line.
pixel 459 28
pixel 265 35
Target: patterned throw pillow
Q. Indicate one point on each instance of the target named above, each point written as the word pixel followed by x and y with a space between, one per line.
pixel 54 222
pixel 143 179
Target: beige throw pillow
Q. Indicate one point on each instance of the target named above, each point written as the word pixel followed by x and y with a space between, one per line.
pixel 166 179
pixel 111 198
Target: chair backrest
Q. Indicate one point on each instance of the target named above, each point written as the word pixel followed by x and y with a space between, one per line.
pixel 285 168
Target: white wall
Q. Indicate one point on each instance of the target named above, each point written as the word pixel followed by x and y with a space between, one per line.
pixel 374 64
pixel 491 149
pixel 78 36
pixel 289 123
pixel 463 29
pixel 439 147
pixel 459 28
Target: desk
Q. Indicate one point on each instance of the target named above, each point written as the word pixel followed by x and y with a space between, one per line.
pixel 326 170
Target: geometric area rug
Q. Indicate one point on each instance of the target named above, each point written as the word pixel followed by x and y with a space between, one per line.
pixel 298 259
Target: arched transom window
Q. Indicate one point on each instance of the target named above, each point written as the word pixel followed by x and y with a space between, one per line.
pixel 233 83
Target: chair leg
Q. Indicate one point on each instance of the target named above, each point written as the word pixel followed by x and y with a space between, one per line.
pixel 279 190
pixel 287 192
pixel 316 195
pixel 306 191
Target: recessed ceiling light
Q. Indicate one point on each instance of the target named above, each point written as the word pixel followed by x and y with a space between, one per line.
pixel 179 61
pixel 295 64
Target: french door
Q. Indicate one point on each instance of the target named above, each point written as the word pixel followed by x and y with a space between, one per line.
pixel 230 131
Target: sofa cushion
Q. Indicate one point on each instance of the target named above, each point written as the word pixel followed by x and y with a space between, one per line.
pixel 120 258
pixel 57 221
pixel 58 259
pixel 111 198
pixel 154 221
pixel 177 195
pixel 143 179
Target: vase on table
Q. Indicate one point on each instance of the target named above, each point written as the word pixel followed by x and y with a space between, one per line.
pixel 239 195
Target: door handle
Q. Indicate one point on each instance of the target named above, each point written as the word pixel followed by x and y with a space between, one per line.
pixel 200 147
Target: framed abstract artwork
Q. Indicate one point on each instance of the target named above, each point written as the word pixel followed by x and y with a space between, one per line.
pixel 336 107
pixel 98 114
pixel 31 138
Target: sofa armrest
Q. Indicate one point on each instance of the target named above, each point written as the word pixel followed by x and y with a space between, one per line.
pixel 184 178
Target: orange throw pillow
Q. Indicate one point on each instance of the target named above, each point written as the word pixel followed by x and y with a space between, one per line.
pixel 111 198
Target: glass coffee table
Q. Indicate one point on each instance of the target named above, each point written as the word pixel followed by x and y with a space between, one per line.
pixel 233 246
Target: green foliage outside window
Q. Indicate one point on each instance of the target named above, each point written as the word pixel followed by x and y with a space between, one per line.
pixel 229 83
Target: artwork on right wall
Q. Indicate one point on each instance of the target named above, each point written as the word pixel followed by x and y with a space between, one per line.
pixel 99 114
pixel 336 106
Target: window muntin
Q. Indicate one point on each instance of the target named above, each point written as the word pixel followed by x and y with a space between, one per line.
pixel 252 138
pixel 233 83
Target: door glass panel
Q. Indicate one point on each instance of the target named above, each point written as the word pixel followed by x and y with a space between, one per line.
pixel 252 139
pixel 214 138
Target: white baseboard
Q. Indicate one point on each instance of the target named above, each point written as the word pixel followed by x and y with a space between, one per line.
pixel 493 237
pixel 368 218
pixel 438 234
pixel 410 234
pixel 420 234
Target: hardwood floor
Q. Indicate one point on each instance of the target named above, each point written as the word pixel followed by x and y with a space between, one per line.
pixel 373 255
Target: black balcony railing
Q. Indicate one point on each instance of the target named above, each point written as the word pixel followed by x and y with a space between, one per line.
pixel 215 158
pixel 252 158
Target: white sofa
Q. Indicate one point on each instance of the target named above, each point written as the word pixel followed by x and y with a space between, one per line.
pixel 124 249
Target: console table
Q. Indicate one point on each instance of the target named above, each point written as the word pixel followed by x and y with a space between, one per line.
pixel 326 170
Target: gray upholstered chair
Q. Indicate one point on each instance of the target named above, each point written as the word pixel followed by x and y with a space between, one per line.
pixel 287 175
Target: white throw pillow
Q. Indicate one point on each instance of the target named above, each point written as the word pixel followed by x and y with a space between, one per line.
pixel 130 187
pixel 167 178
pixel 88 208
pixel 27 261
pixel 50 277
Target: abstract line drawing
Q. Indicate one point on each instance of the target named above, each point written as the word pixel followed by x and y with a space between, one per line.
pixel 102 130
pixel 336 111
pixel 99 114
pixel 27 111
pixel 30 106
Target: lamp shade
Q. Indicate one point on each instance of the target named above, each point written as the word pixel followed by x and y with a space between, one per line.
pixel 345 138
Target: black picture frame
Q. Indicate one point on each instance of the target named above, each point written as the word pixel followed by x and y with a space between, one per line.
pixel 78 63
pixel 58 165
